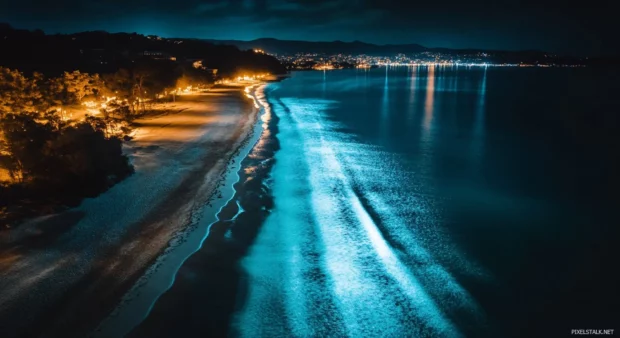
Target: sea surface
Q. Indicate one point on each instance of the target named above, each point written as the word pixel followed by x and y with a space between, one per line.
pixel 416 202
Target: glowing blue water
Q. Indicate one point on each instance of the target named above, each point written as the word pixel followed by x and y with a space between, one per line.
pixel 406 198
pixel 351 244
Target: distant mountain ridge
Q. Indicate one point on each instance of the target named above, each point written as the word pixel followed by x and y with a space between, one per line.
pixel 276 46
pixel 290 47
pixel 101 52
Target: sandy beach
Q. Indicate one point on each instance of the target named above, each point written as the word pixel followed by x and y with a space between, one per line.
pixel 72 269
pixel 211 284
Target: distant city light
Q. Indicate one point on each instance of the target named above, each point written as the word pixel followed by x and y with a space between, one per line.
pixel 321 61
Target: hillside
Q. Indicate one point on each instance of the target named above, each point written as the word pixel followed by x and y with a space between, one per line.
pixel 102 52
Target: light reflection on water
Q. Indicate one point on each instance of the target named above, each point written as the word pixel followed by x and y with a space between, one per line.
pixel 353 229
pixel 385 105
pixel 478 129
pixel 429 103
pixel 413 79
pixel 421 201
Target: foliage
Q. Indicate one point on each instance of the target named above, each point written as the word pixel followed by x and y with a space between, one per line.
pixel 134 87
pixel 77 155
pixel 86 161
pixel 195 76
pixel 105 53
pixel 49 157
pixel 110 126
pixel 72 87
pixel 19 93
pixel 24 139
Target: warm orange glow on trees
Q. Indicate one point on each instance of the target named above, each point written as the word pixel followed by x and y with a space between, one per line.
pixel 19 93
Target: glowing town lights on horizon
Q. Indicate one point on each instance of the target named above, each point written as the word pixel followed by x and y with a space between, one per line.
pixel 432 64
pixel 324 67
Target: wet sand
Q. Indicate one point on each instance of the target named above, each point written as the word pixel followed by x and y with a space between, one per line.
pixel 62 274
pixel 210 286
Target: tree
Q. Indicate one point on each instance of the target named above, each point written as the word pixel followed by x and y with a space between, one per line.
pixel 196 76
pixel 72 87
pixel 23 140
pixel 82 84
pixel 72 160
pixel 18 93
pixel 134 87
pixel 87 161
pixel 153 77
pixel 121 86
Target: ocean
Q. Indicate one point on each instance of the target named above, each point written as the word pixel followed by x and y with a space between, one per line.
pixel 415 202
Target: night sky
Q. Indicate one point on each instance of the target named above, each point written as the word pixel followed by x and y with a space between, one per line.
pixel 587 29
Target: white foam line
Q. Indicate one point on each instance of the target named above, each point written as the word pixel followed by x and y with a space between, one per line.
pixel 349 285
pixel 428 310
pixel 140 299
pixel 294 290
pixel 352 292
pixel 295 287
pixel 393 266
pixel 430 271
pixel 361 162
pixel 239 210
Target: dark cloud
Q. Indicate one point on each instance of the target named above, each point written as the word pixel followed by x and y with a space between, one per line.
pixel 545 24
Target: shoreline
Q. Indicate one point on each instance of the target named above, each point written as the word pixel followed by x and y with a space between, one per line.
pixel 211 284
pixel 92 265
pixel 160 276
